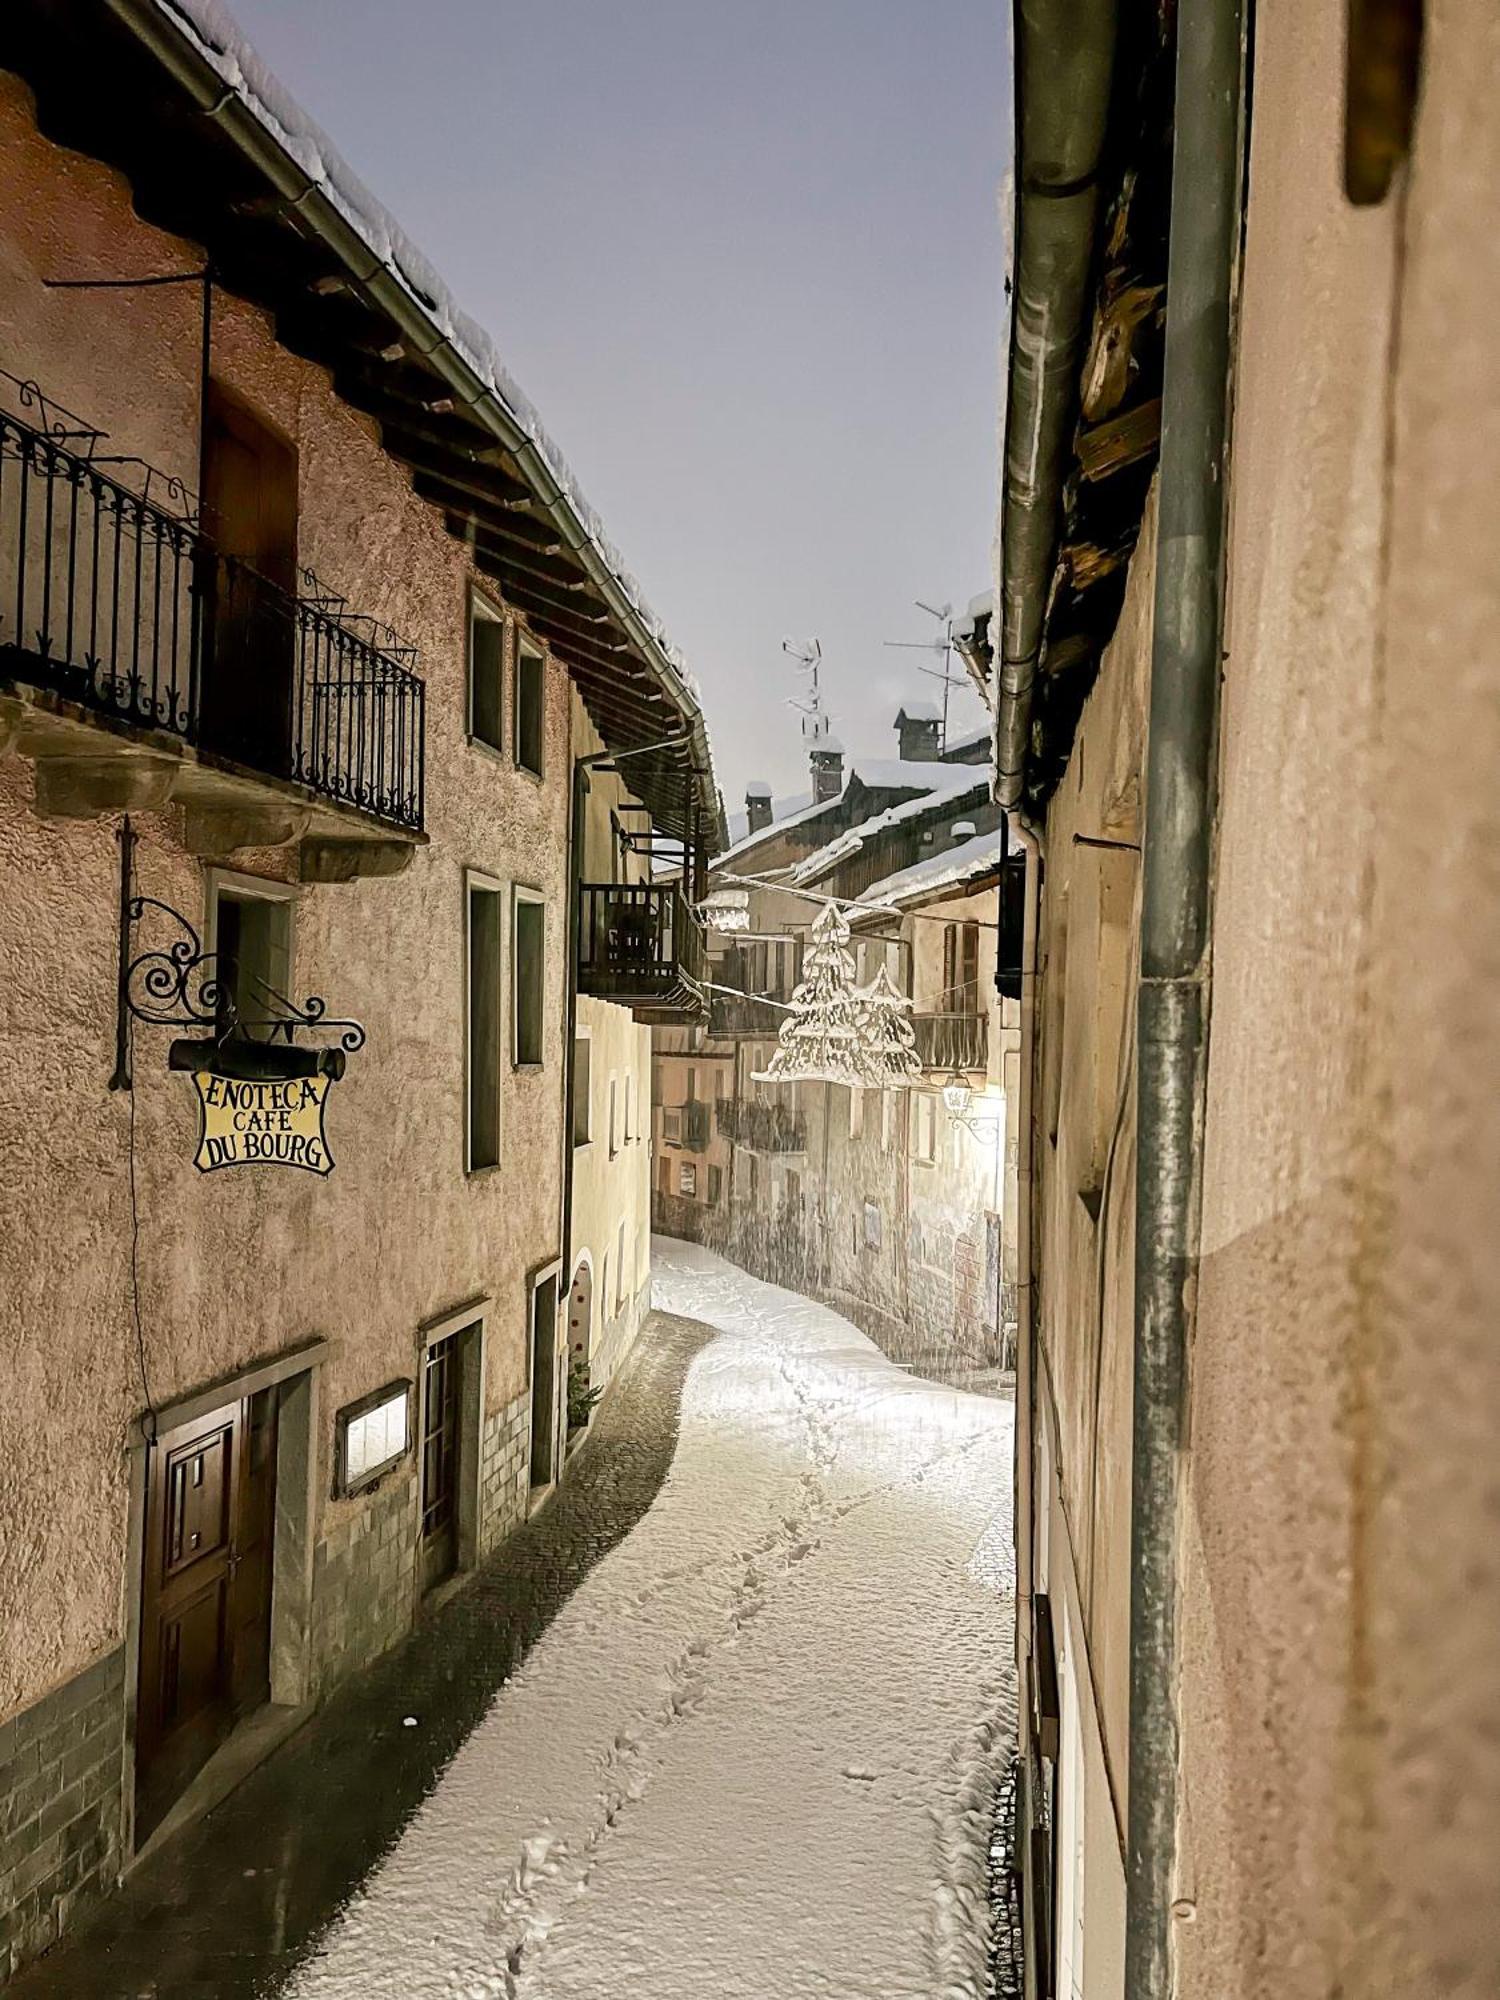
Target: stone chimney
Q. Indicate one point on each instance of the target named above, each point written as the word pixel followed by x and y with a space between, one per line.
pixel 827 760
pixel 758 805
pixel 917 732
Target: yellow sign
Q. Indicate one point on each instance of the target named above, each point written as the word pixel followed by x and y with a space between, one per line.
pixel 262 1124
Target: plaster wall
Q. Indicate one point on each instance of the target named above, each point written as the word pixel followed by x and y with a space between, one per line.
pixel 1341 1714
pixel 1340 1588
pixel 237 1265
pixel 612 1187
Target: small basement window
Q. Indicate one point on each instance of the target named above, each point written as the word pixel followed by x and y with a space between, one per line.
pixel 486 674
pixel 528 747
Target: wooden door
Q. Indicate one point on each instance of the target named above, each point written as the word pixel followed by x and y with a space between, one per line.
pixel 440 1449
pixel 206 1592
pixel 250 514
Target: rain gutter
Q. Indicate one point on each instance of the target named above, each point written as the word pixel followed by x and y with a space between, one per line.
pixel 1064 64
pixel 1177 936
pixel 321 215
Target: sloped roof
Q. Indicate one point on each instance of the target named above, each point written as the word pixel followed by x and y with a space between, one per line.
pixel 959 780
pixel 968 861
pixel 171 93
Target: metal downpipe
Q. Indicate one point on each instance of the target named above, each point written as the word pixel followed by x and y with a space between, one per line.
pixel 1176 935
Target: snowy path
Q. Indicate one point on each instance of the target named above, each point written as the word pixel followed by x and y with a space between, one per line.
pixel 754 1754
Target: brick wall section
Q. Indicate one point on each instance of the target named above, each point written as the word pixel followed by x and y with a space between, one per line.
pixel 505 1471
pixel 363 1582
pixel 60 1786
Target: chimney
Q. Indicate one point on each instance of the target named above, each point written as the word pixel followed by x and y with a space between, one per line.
pixel 757 805
pixel 917 732
pixel 827 760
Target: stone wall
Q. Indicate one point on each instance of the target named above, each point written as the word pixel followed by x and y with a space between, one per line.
pixel 363 1580
pixel 504 1471
pixel 60 1806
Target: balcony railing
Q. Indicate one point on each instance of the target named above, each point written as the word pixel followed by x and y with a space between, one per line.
pixel 112 600
pixel 762 1128
pixel 640 944
pixel 952 1041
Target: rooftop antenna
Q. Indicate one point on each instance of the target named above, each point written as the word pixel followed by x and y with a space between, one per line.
pixel 808 654
pixel 943 645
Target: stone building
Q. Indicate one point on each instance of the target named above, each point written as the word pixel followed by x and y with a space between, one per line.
pixel 885 1203
pixel 312 661
pixel 1246 665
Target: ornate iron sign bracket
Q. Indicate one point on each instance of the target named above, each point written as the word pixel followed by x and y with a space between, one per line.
pixel 177 984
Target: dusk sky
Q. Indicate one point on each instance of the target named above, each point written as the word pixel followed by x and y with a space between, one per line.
pixel 746 261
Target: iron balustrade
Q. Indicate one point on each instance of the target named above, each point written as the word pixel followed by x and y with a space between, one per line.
pixel 639 943
pixel 952 1041
pixel 762 1128
pixel 114 601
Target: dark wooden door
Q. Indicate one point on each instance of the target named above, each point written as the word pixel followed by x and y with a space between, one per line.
pixel 250 514
pixel 440 1451
pixel 206 1592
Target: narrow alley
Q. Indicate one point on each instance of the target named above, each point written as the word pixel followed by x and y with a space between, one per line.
pixel 736 1714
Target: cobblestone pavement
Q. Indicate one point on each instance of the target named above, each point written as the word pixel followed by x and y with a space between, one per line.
pixel 234 1903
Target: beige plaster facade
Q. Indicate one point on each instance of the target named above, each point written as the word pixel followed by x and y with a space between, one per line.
pixel 1339 1805
pixel 135 1290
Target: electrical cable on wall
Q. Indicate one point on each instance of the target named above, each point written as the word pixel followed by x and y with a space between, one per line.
pixel 150 1425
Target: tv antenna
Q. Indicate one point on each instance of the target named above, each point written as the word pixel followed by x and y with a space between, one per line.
pixel 943 644
pixel 808 654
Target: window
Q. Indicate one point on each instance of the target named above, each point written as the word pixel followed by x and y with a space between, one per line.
pixel 664 1176
pixel 620 1269
pixel 925 1138
pixel 961 968
pixel 688 1178
pixel 483 971
pixel 604 1290
pixel 529 710
pixel 583 1101
pixel 486 673
pixel 614 1127
pixel 629 1127
pixel 250 927
pixel 715 1185
pixel 529 949
pixel 872 1225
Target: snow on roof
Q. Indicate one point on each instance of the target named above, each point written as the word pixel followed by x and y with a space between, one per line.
pixel 982 734
pixel 779 824
pixel 947 869
pixel 229 53
pixel 956 780
pixel 757 789
pixel 982 606
pixel 892 774
pixel 829 745
pixel 919 711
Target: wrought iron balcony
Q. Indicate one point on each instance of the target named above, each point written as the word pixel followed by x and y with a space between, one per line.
pixel 640 945
pixel 762 1128
pixel 952 1041
pixel 116 601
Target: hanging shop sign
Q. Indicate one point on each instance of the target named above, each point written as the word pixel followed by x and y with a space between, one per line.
pixel 262 1093
pixel 244 1124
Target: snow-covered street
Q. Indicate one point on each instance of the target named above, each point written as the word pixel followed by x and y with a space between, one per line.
pixel 756 1752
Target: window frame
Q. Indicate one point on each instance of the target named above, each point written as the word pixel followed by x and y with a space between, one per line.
pixel 585 1037
pixel 479 609
pixel 251 888
pixel 523 895
pixel 527 650
pixel 489 885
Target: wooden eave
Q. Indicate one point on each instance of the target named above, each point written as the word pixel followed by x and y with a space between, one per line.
pixel 113 79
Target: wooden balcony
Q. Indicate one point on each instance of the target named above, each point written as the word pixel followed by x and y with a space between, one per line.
pixel 641 946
